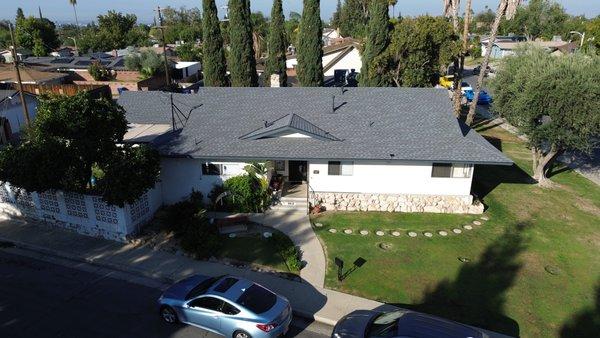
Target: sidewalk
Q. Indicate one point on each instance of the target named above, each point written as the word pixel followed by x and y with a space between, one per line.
pixel 323 305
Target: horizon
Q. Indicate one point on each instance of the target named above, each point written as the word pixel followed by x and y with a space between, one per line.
pixel 62 13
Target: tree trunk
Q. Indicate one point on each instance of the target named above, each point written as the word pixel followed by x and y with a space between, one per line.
pixel 465 47
pixel 543 162
pixel 486 60
pixel 76 20
pixel 457 73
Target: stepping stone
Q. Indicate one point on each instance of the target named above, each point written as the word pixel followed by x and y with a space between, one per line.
pixel 395 233
pixel 553 270
pixel 232 235
pixel 333 231
pixel 484 218
pixel 364 232
pixel 379 233
pixel 348 231
pixel 267 234
pixel 443 233
pixel 468 227
pixel 412 234
pixel 319 225
pixel 476 222
pixel 427 234
pixel 385 246
pixel 456 231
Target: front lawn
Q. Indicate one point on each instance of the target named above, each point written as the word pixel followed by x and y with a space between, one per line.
pixel 531 270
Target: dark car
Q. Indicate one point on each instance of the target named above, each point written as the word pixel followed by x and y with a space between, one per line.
pixel 477 70
pixel 404 323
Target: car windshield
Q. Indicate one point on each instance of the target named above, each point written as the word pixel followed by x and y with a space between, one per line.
pixel 384 325
pixel 257 299
pixel 202 287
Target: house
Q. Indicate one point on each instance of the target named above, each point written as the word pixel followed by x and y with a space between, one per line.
pixel 502 49
pixel 12 117
pixel 8 76
pixel 187 71
pixel 341 56
pixel 64 52
pixel 331 36
pixel 501 38
pixel 393 149
pixel 7 55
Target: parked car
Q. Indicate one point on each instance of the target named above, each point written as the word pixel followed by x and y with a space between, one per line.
pixel 230 306
pixel 404 323
pixel 484 97
pixel 463 86
pixel 446 81
pixel 477 70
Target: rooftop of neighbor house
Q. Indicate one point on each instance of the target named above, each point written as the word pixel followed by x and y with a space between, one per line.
pixel 392 124
pixel 75 62
pixel 542 44
pixel 6 94
pixel 28 75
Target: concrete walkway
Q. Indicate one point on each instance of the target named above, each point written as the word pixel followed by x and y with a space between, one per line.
pixel 318 303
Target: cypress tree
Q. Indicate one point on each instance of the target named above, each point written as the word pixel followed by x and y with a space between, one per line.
pixel 310 45
pixel 242 63
pixel 277 46
pixel 376 43
pixel 214 66
pixel 337 16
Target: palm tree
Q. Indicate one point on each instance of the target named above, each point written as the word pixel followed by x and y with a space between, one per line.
pixel 506 8
pixel 74 3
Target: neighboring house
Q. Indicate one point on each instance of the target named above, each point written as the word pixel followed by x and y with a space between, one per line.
pixel 341 56
pixel 187 70
pixel 12 118
pixel 502 49
pixel 331 36
pixel 7 55
pixel 29 75
pixel 393 149
pixel 64 52
pixel 502 38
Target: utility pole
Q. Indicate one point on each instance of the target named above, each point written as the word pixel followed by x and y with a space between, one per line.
pixel 16 63
pixel 164 43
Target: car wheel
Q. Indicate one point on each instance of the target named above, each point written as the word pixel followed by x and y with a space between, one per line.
pixel 241 334
pixel 168 315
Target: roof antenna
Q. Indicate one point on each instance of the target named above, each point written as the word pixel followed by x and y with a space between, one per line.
pixel 342 88
pixel 332 104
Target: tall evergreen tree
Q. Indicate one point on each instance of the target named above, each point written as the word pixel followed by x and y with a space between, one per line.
pixel 376 43
pixel 20 14
pixel 310 45
pixel 277 45
pixel 214 66
pixel 336 20
pixel 354 19
pixel 242 62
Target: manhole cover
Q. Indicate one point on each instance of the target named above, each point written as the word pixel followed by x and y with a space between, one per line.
pixel 385 246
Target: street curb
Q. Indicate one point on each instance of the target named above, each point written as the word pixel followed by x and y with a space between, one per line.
pixel 139 273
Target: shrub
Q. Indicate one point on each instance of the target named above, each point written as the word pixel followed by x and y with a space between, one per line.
pixel 99 72
pixel 290 253
pixel 247 193
pixel 200 237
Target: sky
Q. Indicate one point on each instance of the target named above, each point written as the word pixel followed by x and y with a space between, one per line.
pixel 61 11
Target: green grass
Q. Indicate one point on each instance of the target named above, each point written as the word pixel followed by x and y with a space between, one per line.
pixel 505 286
pixel 257 250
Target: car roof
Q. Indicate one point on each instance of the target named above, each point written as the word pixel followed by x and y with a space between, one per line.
pixel 414 324
pixel 229 287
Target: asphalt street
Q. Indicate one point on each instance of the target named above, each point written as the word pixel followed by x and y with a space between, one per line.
pixel 58 298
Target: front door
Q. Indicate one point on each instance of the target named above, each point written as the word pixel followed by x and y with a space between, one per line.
pixel 297 171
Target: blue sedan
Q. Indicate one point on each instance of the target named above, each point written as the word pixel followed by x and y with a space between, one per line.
pixel 229 306
pixel 484 97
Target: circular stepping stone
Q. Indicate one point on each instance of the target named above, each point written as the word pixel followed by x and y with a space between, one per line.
pixel 379 233
pixel 484 218
pixel 553 270
pixel 319 225
pixel 468 227
pixel 267 234
pixel 412 234
pixel 395 233
pixel 476 222
pixel 364 232
pixel 456 231
pixel 348 231
pixel 443 233
pixel 232 235
pixel 333 231
pixel 427 234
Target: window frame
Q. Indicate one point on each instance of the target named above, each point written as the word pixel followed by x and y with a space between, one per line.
pixel 201 308
pixel 454 170
pixel 206 169
pixel 349 165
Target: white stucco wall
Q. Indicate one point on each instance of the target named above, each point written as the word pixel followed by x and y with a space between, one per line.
pixel 179 176
pixel 13 111
pixel 350 61
pixel 387 178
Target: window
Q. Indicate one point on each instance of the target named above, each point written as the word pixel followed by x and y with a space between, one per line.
pixel 257 299
pixel 229 309
pixel 279 165
pixel 343 168
pixel 448 170
pixel 212 169
pixel 208 303
pixel 225 284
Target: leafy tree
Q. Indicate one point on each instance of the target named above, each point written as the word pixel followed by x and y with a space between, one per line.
pixel 310 46
pixel 99 72
pixel 69 137
pixel 260 31
pixel 538 19
pixel 38 35
pixel 5 41
pixel 593 29
pixel 182 24
pixel 242 61
pixel 277 46
pixel 482 22
pixel 554 101
pixel 114 31
pixel 376 42
pixel 20 14
pixel 292 27
pixel 148 63
pixel 336 19
pixel 354 19
pixel 418 49
pixel 189 52
pixel 214 66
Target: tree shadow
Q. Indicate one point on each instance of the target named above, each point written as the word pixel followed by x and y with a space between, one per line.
pixel 477 295
pixel 487 178
pixel 586 323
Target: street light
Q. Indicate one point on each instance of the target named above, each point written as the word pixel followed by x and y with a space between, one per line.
pixel 582 35
pixel 74 42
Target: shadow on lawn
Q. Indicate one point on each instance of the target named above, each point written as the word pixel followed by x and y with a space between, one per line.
pixel 586 323
pixel 487 178
pixel 477 295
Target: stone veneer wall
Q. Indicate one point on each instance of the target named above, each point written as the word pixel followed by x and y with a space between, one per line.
pixel 398 203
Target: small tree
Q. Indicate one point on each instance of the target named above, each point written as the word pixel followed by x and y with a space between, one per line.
pixel 242 61
pixel 99 72
pixel 214 66
pixel 553 100
pixel 148 63
pixel 310 46
pixel 189 52
pixel 277 46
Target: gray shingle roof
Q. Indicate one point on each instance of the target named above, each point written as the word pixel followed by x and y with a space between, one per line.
pixel 414 124
pixel 290 123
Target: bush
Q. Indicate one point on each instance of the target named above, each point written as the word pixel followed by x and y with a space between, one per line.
pixel 99 72
pixel 247 193
pixel 290 253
